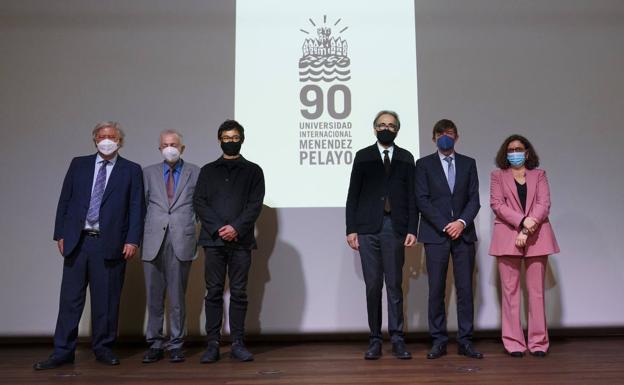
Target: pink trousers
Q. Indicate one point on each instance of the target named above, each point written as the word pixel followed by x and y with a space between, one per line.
pixel 509 268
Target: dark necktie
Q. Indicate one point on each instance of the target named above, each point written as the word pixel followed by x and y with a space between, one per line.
pixel 93 215
pixel 387 206
pixel 170 185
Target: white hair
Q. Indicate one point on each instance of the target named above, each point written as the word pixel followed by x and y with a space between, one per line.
pixel 108 124
pixel 171 132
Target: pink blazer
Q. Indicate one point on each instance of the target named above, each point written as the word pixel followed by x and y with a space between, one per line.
pixel 505 203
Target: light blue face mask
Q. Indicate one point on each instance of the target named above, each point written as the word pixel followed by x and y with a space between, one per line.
pixel 516 159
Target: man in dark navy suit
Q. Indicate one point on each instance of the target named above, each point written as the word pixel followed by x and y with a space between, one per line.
pixel 99 224
pixel 382 219
pixel 447 195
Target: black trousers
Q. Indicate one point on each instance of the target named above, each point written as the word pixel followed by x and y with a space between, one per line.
pixel 235 263
pixel 105 280
pixel 383 255
pixel 463 255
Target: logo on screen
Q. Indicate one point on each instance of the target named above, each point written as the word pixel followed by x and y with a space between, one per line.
pixel 325 58
pixel 324 69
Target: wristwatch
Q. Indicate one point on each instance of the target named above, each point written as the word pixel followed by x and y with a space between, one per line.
pixel 525 231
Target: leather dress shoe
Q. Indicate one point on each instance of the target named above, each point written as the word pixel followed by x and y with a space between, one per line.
pixel 240 352
pixel 52 362
pixel 400 351
pixel 516 354
pixel 107 358
pixel 153 355
pixel 538 353
pixel 374 351
pixel 176 355
pixel 211 354
pixel 437 351
pixel 468 351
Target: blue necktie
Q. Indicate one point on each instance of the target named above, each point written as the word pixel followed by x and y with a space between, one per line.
pixel 451 173
pixel 93 215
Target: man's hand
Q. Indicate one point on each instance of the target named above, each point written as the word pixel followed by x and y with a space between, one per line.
pixel 352 240
pixel 530 224
pixel 454 229
pixel 59 243
pixel 521 240
pixel 228 233
pixel 129 250
pixel 410 240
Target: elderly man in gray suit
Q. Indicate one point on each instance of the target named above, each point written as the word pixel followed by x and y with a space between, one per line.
pixel 169 244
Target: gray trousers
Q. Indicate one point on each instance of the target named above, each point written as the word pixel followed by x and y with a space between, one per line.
pixel 383 255
pixel 166 275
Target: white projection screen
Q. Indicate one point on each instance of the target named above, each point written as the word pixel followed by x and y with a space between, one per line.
pixel 310 77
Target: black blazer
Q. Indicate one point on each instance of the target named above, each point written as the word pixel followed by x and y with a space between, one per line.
pixel 229 192
pixel 121 213
pixel 438 206
pixel 369 185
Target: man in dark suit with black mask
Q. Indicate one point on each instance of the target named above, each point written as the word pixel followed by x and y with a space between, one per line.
pixel 382 220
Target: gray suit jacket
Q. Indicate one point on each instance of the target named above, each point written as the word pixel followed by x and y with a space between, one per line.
pixel 179 217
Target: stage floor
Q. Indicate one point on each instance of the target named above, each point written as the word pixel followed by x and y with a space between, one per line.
pixel 590 360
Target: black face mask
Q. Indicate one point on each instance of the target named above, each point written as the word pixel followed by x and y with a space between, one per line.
pixel 386 137
pixel 231 148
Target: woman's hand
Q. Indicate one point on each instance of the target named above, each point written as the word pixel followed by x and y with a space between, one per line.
pixel 521 240
pixel 530 224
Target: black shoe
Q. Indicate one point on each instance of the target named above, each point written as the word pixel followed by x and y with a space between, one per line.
pixel 437 351
pixel 538 353
pixel 240 352
pixel 176 355
pixel 374 351
pixel 52 362
pixel 211 354
pixel 107 358
pixel 468 351
pixel 399 351
pixel 516 354
pixel 153 355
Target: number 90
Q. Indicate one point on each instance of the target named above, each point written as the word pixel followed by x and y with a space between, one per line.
pixel 316 101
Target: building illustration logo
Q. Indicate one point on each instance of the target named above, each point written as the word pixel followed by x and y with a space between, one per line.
pixel 325 58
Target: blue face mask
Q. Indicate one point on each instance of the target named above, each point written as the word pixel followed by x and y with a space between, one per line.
pixel 445 143
pixel 516 159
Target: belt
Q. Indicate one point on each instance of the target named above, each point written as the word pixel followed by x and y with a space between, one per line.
pixel 388 213
pixel 91 233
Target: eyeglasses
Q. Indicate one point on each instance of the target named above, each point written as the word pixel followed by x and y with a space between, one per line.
pixel 516 149
pixel 384 126
pixel 226 139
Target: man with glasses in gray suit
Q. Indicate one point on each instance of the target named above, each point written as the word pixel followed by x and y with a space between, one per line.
pixel 169 244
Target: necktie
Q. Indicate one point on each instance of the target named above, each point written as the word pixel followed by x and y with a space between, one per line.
pixel 386 161
pixel 451 172
pixel 93 215
pixel 170 185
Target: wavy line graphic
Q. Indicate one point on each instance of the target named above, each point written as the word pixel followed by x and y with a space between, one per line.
pixel 324 71
pixel 323 78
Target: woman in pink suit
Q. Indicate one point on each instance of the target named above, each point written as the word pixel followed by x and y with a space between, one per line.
pixel 520 199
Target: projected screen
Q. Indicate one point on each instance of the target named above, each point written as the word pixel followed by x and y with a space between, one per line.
pixel 310 77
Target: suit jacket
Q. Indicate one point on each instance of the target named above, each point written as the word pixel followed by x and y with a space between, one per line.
pixel 179 217
pixel 121 212
pixel 506 205
pixel 369 185
pixel 439 205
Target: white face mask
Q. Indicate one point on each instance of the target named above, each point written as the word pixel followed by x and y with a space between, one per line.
pixel 107 146
pixel 171 154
